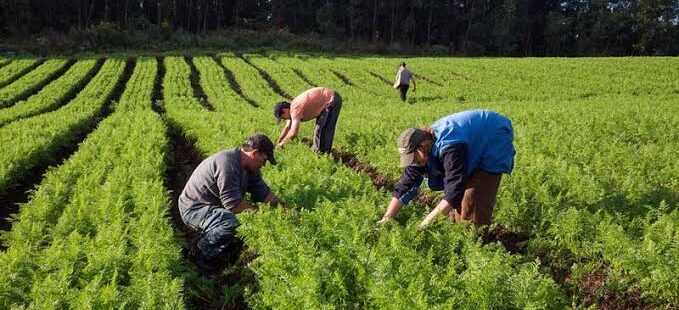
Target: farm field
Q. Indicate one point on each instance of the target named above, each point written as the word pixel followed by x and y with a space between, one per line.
pixel 95 151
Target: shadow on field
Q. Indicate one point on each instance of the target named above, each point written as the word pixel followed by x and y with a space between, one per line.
pixel 269 80
pixel 21 190
pixel 620 203
pixel 302 76
pixel 197 89
pixel 424 99
pixel 381 78
pixel 233 83
pixel 225 289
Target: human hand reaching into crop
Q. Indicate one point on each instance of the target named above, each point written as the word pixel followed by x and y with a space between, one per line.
pixel 392 210
pixel 384 220
pixel 443 207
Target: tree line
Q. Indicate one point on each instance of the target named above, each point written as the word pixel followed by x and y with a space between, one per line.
pixel 461 27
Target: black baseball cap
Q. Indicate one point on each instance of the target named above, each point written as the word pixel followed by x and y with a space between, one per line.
pixel 278 110
pixel 407 142
pixel 262 143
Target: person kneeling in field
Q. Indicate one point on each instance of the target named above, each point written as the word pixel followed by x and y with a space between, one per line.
pixel 464 154
pixel 320 103
pixel 214 194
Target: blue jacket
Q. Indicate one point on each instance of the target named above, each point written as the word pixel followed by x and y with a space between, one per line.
pixel 483 138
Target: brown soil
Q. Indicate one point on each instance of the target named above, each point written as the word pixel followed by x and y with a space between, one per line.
pixel 514 242
pixel 592 285
pixel 343 77
pixel 234 84
pixel 427 79
pixel 240 274
pixel 18 192
pixel 379 77
pixel 379 180
pixel 157 95
pixel 301 75
pixel 197 89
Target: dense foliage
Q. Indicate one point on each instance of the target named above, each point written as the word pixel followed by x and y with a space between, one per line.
pixel 593 185
pixel 31 142
pixel 463 27
pixel 53 94
pixel 95 234
pixel 594 188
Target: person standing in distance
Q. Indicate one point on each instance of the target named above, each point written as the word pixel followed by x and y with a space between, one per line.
pixel 403 79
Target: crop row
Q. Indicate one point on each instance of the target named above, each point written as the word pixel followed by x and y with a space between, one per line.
pixel 493 80
pixel 329 255
pixel 584 173
pixel 32 142
pixel 95 233
pixel 52 95
pixel 4 61
pixel 255 88
pixel 31 81
pixel 212 79
pixel 15 69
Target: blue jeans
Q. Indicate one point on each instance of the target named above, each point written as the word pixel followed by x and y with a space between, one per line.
pixel 217 228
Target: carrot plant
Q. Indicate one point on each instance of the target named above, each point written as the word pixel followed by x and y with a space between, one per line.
pixel 31 82
pixel 52 94
pixel 584 170
pixel 31 142
pixel 95 233
pixel 328 253
pixel 15 69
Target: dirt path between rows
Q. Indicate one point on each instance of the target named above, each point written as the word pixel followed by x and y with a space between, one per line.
pixel 19 192
pixel 513 242
pixel 269 80
pixel 234 84
pixel 195 84
pixel 202 292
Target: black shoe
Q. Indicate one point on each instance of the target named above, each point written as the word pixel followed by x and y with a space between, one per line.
pixel 205 266
pixel 233 249
pixel 192 249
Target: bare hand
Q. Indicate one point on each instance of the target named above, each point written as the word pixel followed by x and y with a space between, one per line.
pixel 280 145
pixel 384 220
pixel 423 225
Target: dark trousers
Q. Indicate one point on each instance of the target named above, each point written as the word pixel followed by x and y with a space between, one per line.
pixel 479 197
pixel 403 89
pixel 324 133
pixel 217 228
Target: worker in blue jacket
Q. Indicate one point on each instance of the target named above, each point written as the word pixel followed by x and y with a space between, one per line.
pixel 464 154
